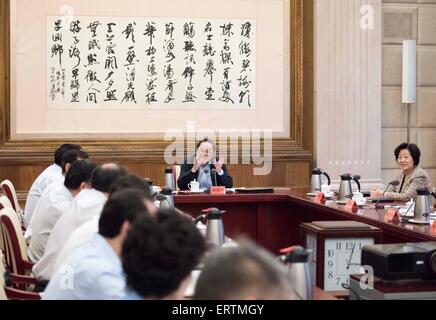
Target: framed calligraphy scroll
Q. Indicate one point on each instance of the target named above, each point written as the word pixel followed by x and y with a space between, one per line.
pixel 145 63
pixel 117 77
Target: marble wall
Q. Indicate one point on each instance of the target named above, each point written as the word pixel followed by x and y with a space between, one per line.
pixel 348 55
pixel 409 19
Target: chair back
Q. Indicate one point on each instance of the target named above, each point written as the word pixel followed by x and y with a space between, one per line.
pixel 5 203
pixel 2 279
pixel 9 191
pixel 13 244
pixel 16 290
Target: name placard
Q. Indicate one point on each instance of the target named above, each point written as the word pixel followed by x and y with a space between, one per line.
pixel 218 190
pixel 320 197
pixel 392 215
pixel 351 206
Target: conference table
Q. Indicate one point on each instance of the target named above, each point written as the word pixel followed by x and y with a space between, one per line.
pixel 273 219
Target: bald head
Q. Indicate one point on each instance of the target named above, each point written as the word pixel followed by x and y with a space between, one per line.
pixel 243 272
pixel 105 175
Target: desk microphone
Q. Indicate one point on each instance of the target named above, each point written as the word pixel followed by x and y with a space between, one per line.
pixel 214 182
pixel 212 165
pixel 392 183
pixel 213 174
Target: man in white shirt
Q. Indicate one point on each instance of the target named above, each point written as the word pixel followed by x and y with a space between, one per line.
pixel 86 231
pixel 54 202
pixel 67 159
pixel 88 203
pixel 51 173
pixel 94 270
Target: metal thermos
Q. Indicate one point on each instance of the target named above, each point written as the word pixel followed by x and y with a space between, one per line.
pixel 168 193
pixel 297 260
pixel 214 225
pixel 169 178
pixel 149 183
pixel 422 206
pixel 316 180
pixel 345 189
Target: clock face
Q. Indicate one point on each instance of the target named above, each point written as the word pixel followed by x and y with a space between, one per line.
pixel 341 259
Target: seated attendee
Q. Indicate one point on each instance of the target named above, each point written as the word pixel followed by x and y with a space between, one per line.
pixel 52 173
pixel 54 202
pixel 67 159
pixel 87 230
pixel 159 255
pixel 411 178
pixel 201 167
pixel 87 204
pixel 245 272
pixel 94 270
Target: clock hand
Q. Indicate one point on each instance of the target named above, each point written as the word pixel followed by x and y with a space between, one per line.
pixel 351 256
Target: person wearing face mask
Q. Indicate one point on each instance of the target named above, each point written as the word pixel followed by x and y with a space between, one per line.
pixel 411 178
pixel 204 168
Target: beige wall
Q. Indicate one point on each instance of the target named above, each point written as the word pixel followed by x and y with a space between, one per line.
pixel 347 64
pixel 409 19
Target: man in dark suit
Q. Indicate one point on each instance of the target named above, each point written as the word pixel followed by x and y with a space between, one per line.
pixel 204 168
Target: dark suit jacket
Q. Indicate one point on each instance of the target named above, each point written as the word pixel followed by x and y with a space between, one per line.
pixel 186 176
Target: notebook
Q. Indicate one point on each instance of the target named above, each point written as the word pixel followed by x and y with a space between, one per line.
pixel 255 190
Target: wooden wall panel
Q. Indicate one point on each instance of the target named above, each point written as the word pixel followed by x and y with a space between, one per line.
pixel 22 161
pixel 283 174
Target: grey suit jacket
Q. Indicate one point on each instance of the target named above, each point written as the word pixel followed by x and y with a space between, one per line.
pixel 418 179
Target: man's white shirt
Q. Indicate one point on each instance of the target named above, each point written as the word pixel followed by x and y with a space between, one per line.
pixel 54 202
pixel 87 204
pixel 49 175
pixel 81 235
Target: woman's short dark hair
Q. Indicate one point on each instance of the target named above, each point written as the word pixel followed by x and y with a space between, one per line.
pixel 413 149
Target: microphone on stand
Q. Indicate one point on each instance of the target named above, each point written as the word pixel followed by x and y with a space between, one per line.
pixel 214 182
pixel 212 165
pixel 392 183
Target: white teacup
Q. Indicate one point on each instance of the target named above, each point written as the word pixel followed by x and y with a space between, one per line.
pixel 194 186
pixel 358 197
pixel 325 188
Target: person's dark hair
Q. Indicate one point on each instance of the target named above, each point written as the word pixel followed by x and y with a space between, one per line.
pixel 80 171
pixel 59 153
pixel 124 205
pixel 245 271
pixel 413 149
pixel 131 181
pixel 106 174
pixel 160 252
pixel 205 139
pixel 72 155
